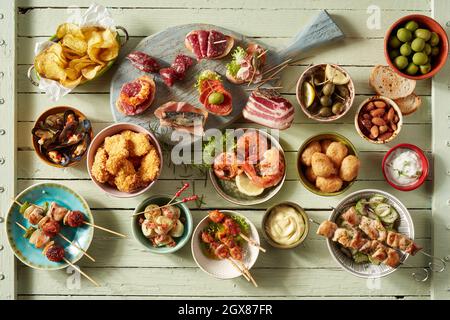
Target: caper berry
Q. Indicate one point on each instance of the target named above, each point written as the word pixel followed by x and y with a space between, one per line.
pixel 325 112
pixel 337 108
pixel 328 89
pixel 343 91
pixel 325 101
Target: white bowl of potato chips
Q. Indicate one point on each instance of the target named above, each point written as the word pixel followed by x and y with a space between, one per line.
pixel 77 55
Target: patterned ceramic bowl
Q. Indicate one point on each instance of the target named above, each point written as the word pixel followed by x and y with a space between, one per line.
pixel 368 270
pixel 223 269
pixel 39 194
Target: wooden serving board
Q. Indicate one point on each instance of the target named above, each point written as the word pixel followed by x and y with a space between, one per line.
pixel 166 45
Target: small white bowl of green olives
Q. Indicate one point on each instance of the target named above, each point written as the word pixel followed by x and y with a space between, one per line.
pixel 325 92
pixel 416 47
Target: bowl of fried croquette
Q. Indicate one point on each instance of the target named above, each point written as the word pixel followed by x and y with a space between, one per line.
pixel 124 160
pixel 327 164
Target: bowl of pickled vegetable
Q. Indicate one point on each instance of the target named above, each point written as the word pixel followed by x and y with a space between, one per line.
pixel 416 47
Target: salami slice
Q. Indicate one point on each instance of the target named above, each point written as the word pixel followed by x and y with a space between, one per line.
pixel 143 61
pixel 195 45
pixel 203 41
pixel 169 76
pixel 216 44
pixel 181 64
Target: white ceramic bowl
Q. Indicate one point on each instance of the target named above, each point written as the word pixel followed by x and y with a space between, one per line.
pixel 223 269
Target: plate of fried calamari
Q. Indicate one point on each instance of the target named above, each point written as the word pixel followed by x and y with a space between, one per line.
pixel 124 160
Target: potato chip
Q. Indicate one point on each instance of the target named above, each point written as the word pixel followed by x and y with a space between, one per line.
pixel 91 71
pixel 109 39
pixel 79 64
pixel 52 70
pixel 72 73
pixel 94 55
pixel 69 28
pixel 74 43
pixel 70 54
pixel 56 50
pixel 71 83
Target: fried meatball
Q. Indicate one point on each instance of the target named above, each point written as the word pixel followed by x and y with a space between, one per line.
pixel 325 144
pixel 337 151
pixel 99 166
pixel 349 168
pixel 321 165
pixel 330 184
pixel 139 144
pixel 307 153
pixel 310 176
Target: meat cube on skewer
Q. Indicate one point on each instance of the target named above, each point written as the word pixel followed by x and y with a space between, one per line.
pixel 57 212
pixel 352 217
pixel 374 229
pixel 327 229
pixel 34 214
pixel 216 216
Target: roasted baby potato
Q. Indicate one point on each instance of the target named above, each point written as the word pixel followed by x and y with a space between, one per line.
pixel 322 165
pixel 349 168
pixel 330 184
pixel 337 151
pixel 312 148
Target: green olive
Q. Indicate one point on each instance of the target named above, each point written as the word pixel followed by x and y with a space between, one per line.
pixel 425 68
pixel 434 40
pixel 418 44
pixel 394 42
pixel 425 34
pixel 412 69
pixel 328 89
pixel 404 35
pixel 343 91
pixel 337 108
pixel 427 49
pixel 405 49
pixel 216 98
pixel 394 53
pixel 420 58
pixel 412 25
pixel 401 62
pixel 325 101
pixel 434 51
pixel 325 112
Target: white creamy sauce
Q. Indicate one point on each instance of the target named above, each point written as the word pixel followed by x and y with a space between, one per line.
pixel 404 167
pixel 285 225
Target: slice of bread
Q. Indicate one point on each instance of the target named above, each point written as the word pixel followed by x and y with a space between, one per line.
pixel 387 83
pixel 409 104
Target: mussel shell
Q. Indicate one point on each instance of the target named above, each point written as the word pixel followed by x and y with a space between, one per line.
pixel 65 159
pixel 77 151
pixel 48 135
pixel 71 114
pixel 68 131
pixel 54 121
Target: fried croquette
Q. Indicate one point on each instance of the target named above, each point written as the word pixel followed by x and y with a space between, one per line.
pixel 117 145
pixel 337 151
pixel 322 166
pixel 139 145
pixel 99 171
pixel 309 174
pixel 349 168
pixel 325 144
pixel 149 169
pixel 312 148
pixel 330 184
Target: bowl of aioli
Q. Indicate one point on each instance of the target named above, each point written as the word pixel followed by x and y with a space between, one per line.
pixel 405 167
pixel 285 225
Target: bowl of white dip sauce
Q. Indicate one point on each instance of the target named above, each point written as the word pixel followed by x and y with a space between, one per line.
pixel 405 167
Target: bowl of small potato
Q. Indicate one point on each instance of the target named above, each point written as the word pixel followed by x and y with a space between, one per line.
pixel 327 164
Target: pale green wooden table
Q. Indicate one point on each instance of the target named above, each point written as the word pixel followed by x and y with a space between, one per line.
pixel 123 268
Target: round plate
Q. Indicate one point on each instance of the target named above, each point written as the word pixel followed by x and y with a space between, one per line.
pixel 223 269
pixel 39 194
pixel 228 189
pixel 368 270
pixel 167 45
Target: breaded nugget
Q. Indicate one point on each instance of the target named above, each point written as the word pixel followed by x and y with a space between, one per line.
pixel 310 176
pixel 139 143
pixel 325 144
pixel 330 184
pixel 117 145
pixel 149 168
pixel 126 179
pixel 115 163
pixel 349 168
pixel 322 165
pixel 98 169
pixel 337 151
pixel 309 151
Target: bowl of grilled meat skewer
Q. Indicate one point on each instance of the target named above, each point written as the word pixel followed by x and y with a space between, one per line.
pixel 225 244
pixel 370 233
pixel 39 220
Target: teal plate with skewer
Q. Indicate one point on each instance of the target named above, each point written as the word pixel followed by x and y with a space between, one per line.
pixel 40 194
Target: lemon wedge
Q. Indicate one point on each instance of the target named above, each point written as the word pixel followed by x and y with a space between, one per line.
pixel 247 187
pixel 309 94
pixel 336 76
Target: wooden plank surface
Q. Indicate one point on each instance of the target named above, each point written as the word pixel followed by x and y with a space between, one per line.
pixel 123 267
pixel 7 140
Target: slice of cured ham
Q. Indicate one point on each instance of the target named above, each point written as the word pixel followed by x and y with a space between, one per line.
pixel 210 44
pixel 194 44
pixel 203 41
pixel 268 108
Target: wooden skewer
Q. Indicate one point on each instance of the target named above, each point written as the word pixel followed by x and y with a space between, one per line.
pixel 262 82
pixel 247 272
pixel 105 229
pixel 220 41
pixel 79 270
pixel 277 66
pixel 270 77
pixel 262 53
pixel 252 242
pixel 166 205
pixel 274 88
pixel 76 246
pixel 68 262
pixel 239 269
